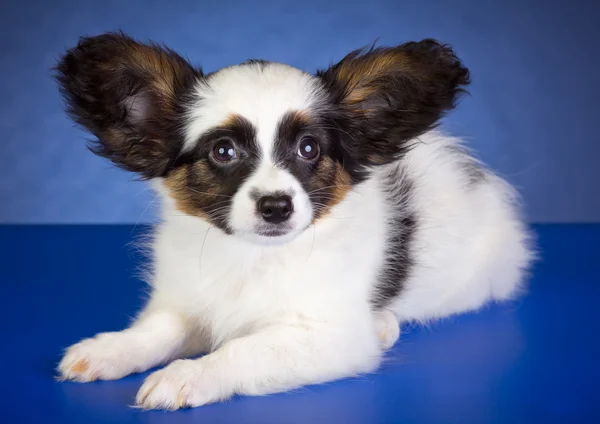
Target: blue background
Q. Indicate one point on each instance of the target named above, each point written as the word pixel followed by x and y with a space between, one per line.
pixel 532 115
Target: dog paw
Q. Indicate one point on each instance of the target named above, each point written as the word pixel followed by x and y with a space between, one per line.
pixel 388 328
pixel 184 383
pixel 104 357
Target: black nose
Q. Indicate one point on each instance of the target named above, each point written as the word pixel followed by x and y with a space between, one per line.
pixel 275 209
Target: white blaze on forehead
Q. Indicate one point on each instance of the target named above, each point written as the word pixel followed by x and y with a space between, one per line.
pixel 260 94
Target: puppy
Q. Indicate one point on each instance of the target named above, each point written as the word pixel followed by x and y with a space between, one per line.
pixel 304 217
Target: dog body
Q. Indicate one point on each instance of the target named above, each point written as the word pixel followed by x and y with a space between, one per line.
pixel 303 217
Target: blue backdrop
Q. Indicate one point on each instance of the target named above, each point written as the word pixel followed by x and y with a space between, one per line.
pixel 532 115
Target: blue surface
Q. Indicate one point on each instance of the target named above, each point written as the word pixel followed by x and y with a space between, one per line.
pixel 532 115
pixel 531 362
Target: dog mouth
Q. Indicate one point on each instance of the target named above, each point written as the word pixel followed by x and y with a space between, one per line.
pixel 273 231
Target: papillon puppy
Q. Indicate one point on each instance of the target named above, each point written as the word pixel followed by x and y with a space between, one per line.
pixel 304 217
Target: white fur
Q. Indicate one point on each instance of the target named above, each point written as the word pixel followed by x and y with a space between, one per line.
pixel 269 178
pixel 260 97
pixel 471 246
pixel 278 316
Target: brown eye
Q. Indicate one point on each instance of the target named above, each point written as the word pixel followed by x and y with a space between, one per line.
pixel 224 151
pixel 308 148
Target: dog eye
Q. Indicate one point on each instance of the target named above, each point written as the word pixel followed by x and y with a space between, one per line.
pixel 224 151
pixel 308 148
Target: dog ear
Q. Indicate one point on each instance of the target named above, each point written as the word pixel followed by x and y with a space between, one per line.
pixel 391 95
pixel 130 96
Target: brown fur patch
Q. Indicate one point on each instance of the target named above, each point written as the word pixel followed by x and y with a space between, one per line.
pixel 177 184
pixel 203 188
pixel 339 185
pixel 302 117
pixel 360 75
pixel 325 180
pixel 343 183
pixel 188 198
pixel 80 366
pixel 234 121
pixel 163 71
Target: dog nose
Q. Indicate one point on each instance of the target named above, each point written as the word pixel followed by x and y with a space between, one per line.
pixel 275 209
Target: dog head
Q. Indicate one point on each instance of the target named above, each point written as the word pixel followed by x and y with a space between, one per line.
pixel 260 150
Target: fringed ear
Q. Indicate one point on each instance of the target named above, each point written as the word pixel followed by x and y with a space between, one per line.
pixel 392 95
pixel 130 96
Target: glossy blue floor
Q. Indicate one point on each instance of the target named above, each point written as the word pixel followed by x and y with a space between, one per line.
pixel 537 360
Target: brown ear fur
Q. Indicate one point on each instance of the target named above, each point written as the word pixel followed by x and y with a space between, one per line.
pixel 391 95
pixel 130 96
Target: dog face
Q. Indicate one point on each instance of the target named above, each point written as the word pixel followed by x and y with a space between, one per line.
pixel 260 150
